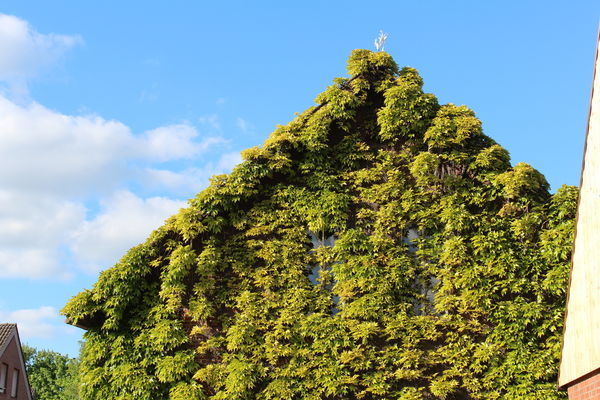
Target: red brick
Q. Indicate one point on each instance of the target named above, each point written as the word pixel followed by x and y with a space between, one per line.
pixel 587 389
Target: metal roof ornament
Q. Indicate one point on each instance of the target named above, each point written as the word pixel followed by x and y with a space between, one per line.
pixel 380 41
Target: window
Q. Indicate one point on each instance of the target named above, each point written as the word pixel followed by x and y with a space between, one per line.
pixel 15 383
pixel 315 270
pixel 3 373
pixel 423 304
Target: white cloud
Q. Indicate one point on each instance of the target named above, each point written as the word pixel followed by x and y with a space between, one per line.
pixel 228 161
pixel 174 142
pixel 33 323
pixel 125 220
pixel 191 180
pixel 32 229
pixel 51 162
pixel 174 180
pixel 34 263
pixel 45 151
pixel 26 52
pixel 28 220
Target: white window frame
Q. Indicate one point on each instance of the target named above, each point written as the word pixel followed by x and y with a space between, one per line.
pixel 3 376
pixel 15 383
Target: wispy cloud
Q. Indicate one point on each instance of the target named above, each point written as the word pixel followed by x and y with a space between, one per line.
pixel 174 142
pixel 25 52
pixel 151 62
pixel 33 323
pixel 149 96
pixel 189 181
pixel 211 121
pixel 244 125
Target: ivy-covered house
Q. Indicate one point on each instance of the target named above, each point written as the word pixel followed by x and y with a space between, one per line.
pixel 580 361
pixel 13 376
pixel 379 246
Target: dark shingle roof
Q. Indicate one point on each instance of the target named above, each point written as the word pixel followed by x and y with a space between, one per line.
pixel 5 332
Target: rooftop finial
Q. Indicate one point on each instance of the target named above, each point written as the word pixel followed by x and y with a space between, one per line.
pixel 379 42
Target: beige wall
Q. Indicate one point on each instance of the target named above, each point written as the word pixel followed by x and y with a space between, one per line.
pixel 581 342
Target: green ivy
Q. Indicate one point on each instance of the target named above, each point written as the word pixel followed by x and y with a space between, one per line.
pixel 379 246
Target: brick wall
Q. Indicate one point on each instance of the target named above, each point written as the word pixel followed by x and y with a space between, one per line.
pixel 586 389
pixel 11 358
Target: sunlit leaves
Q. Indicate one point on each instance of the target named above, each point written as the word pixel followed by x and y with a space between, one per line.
pixel 378 246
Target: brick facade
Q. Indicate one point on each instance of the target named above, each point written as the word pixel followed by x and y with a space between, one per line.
pixel 587 388
pixel 12 368
pixel 12 359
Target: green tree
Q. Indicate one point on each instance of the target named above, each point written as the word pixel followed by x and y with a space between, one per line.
pixel 379 246
pixel 52 376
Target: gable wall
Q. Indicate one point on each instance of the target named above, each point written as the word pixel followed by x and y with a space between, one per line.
pixel 11 357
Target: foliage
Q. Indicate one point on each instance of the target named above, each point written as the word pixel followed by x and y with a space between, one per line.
pixel 51 375
pixel 379 246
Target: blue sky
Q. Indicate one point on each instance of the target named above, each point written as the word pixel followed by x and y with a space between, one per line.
pixel 113 114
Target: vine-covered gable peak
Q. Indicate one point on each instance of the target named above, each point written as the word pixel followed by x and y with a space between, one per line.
pixel 380 245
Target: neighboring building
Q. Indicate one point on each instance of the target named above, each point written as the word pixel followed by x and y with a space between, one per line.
pixel 13 377
pixel 580 359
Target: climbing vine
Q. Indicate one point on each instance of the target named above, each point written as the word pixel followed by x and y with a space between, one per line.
pixel 379 246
